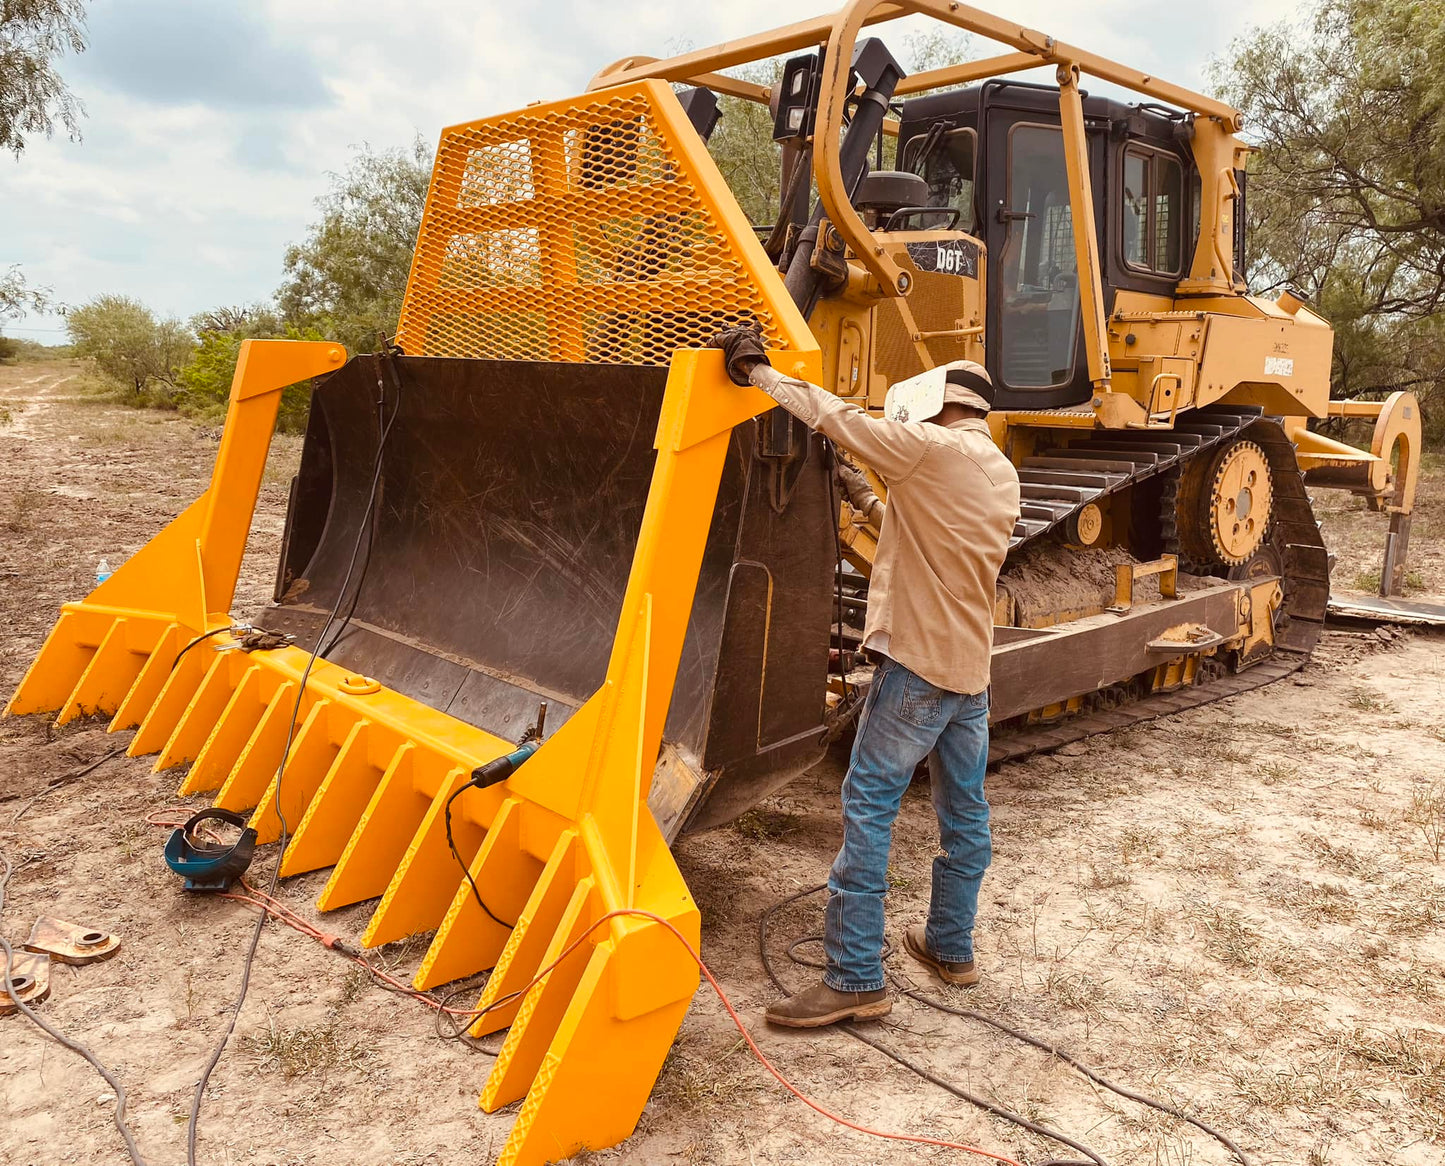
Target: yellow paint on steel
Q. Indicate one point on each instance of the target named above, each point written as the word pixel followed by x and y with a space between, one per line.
pixel 589 230
pixel 1241 500
pixel 1086 237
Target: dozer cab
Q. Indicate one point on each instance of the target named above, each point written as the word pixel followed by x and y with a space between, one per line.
pixel 551 494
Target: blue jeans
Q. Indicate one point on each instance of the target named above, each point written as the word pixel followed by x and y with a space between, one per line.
pixel 904 720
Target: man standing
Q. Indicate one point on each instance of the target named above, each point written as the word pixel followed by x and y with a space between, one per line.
pixel 953 501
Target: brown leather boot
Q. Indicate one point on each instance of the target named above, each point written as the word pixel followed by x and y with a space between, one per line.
pixel 964 975
pixel 821 1005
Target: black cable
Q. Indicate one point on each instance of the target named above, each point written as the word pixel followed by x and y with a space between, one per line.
pixel 1092 1074
pixel 1008 1115
pixel 1093 1156
pixel 193 1123
pixel 459 1031
pixel 199 639
pixel 368 519
pixel 973 1014
pixel 60 1038
pixel 476 894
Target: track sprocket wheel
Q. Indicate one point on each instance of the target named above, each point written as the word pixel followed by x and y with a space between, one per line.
pixel 1241 497
pixel 1224 505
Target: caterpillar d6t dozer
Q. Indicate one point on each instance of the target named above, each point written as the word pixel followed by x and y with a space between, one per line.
pixel 549 492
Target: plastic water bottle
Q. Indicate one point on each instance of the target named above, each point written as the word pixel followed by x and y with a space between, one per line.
pixel 102 572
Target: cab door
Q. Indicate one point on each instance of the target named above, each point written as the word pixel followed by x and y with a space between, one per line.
pixel 1035 340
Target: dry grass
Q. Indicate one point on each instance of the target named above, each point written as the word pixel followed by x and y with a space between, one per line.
pixel 1237 942
pixel 1427 814
pixel 22 509
pixel 304 1051
pixel 762 824
pixel 1342 859
pixel 1364 701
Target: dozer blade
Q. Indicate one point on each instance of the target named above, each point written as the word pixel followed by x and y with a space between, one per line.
pixel 491 585
pixel 566 842
pixel 494 563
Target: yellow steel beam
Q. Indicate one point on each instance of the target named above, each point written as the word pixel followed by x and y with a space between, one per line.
pixel 968 72
pixel 1039 46
pixel 687 66
pixel 1086 238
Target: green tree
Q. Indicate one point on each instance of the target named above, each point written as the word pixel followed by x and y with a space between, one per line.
pixel 33 33
pixel 205 381
pixel 127 343
pixel 17 297
pixel 348 276
pixel 1347 190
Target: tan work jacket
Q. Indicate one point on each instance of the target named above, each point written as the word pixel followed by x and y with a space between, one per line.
pixel 953 501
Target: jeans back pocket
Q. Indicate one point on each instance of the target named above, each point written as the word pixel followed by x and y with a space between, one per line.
pixel 921 704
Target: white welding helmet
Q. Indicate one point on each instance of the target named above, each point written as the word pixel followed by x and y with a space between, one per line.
pixel 918 398
pixel 922 397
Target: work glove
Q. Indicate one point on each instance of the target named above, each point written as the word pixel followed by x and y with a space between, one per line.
pixel 859 492
pixel 742 346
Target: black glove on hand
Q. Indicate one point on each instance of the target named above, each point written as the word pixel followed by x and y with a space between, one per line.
pixel 742 347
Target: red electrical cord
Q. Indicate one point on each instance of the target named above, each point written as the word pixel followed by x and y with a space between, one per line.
pixel 281 912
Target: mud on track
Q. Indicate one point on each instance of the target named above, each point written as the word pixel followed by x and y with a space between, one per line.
pixel 1237 909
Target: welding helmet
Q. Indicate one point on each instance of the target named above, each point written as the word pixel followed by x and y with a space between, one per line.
pixel 962 382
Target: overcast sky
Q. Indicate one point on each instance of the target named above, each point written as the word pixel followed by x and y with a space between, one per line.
pixel 212 123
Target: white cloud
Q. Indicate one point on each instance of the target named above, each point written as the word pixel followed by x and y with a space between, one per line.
pixel 206 146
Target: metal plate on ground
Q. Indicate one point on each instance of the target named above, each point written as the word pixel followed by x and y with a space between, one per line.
pixel 30 973
pixel 71 943
pixel 1377 609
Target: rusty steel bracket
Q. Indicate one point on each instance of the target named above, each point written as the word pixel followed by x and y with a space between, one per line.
pixel 30 975
pixel 1127 574
pixel 71 943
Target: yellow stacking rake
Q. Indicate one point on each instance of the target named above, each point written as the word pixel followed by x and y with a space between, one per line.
pixel 567 841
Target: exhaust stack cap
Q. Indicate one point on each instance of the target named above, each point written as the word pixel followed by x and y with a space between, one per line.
pixel 1291 300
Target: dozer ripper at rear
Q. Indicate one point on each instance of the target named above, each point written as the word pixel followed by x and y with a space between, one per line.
pixel 551 495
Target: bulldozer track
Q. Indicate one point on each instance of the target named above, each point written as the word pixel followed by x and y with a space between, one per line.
pixel 1057 484
pixel 1013 745
pixel 1294 536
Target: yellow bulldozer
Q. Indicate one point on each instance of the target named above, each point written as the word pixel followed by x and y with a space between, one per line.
pixel 547 497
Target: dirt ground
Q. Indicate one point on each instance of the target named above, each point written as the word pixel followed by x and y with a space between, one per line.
pixel 1240 909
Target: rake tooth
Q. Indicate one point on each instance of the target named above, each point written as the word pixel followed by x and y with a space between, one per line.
pixel 199 717
pixel 424 884
pixel 52 677
pixel 311 755
pixel 381 836
pixel 229 736
pixel 597 1073
pixel 530 937
pixel 467 939
pixel 535 1027
pixel 107 678
pixel 149 681
pixel 261 755
pixel 334 810
pixel 183 678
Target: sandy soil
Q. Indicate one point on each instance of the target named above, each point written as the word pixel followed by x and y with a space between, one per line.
pixel 1240 909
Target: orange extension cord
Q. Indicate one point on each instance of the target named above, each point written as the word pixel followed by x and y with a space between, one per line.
pixel 281 912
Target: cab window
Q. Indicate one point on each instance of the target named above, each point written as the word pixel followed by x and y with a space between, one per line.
pixel 945 161
pixel 1038 267
pixel 1153 211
